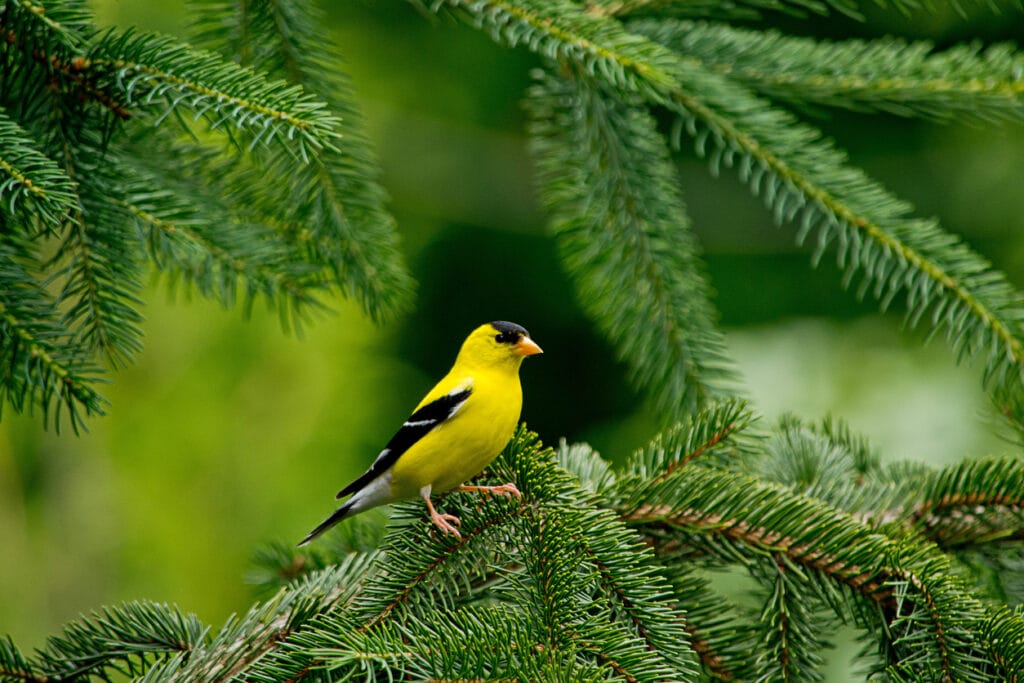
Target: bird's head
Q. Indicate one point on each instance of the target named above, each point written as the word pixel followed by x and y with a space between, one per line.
pixel 498 343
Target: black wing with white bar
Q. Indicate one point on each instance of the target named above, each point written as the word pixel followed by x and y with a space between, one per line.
pixel 415 428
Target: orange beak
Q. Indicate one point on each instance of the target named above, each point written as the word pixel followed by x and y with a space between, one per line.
pixel 527 347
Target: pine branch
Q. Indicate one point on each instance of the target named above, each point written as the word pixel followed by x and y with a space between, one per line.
pixel 797 173
pixel 889 75
pixel 97 261
pixel 277 565
pixel 409 580
pixel 721 433
pixel 866 460
pixel 127 639
pixel 754 9
pixel 972 503
pixel 996 571
pixel 43 50
pixel 342 218
pixel 934 625
pixel 541 548
pixel 639 596
pixel 858 573
pixel 574 595
pixel 605 174
pixel 472 644
pixel 198 241
pixel 35 194
pixel 827 463
pixel 792 641
pixel 36 364
pixel 51 25
pixel 159 77
pixel 14 666
pixel 414 578
pixel 248 641
pixel 745 8
pixel 298 207
pixel 1004 635
pixel 726 639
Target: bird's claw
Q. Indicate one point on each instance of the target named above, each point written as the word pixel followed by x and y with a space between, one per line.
pixel 508 490
pixel 445 523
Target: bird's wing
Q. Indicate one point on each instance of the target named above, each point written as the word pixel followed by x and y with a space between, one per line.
pixel 426 417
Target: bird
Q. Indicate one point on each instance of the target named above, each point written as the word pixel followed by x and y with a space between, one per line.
pixel 459 427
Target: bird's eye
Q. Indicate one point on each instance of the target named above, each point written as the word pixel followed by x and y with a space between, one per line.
pixel 506 338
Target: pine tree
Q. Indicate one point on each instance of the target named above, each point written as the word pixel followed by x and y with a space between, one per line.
pixel 597 573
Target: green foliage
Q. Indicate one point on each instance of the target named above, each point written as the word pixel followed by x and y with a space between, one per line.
pixel 40 366
pixel 801 177
pixel 964 82
pixel 33 183
pixel 602 584
pixel 606 175
pixel 597 573
pixel 337 215
pixel 128 638
pixel 122 148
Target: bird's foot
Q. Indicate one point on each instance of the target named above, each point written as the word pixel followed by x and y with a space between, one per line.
pixel 508 490
pixel 445 521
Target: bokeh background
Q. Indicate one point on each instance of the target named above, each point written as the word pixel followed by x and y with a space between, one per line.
pixel 227 433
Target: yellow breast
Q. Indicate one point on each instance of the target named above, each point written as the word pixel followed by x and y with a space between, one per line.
pixel 466 443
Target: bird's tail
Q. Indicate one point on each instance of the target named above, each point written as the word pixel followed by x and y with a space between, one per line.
pixel 338 515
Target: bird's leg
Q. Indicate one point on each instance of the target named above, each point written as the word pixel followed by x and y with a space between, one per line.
pixel 444 522
pixel 508 490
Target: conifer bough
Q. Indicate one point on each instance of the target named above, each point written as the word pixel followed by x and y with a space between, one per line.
pixel 97 130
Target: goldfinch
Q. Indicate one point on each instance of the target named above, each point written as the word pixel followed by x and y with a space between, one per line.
pixel 458 428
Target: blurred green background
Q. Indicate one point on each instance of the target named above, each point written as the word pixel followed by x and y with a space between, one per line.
pixel 227 433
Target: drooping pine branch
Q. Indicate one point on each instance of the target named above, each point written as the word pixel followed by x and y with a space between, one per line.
pixel 341 218
pixel 37 365
pixel 198 241
pixel 801 177
pixel 605 175
pixel 101 273
pixel 279 200
pixel 756 9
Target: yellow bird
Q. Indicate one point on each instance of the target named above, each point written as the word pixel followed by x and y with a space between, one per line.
pixel 458 428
